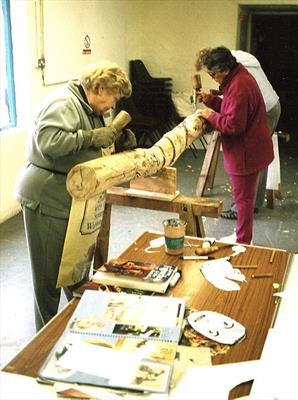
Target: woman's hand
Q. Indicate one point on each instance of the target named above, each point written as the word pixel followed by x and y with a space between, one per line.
pixel 202 96
pixel 205 112
pixel 126 141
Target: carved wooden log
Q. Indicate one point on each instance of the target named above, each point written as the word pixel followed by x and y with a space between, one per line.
pixel 93 177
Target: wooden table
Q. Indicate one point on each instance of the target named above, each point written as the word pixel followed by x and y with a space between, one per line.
pixel 253 305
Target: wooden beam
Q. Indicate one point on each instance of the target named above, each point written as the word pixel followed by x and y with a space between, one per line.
pixel 200 206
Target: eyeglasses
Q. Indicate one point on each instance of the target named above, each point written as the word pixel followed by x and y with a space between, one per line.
pixel 213 73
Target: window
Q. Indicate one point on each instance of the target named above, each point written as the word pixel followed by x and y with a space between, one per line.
pixel 7 89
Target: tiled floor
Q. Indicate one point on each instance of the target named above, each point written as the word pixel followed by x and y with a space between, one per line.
pixel 272 228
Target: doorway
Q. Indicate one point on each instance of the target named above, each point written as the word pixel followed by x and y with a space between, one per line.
pixel 271 34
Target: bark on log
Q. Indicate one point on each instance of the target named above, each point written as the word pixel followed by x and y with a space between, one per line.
pixel 93 177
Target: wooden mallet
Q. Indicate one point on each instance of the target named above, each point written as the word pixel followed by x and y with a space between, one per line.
pixel 197 86
pixel 121 120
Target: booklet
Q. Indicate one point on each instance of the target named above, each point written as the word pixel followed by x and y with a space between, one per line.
pixel 118 340
pixel 135 275
pixel 91 285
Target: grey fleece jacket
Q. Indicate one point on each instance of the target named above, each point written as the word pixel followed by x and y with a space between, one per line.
pixel 54 147
pixel 253 66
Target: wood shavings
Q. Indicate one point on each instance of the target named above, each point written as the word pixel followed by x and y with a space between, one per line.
pixel 190 337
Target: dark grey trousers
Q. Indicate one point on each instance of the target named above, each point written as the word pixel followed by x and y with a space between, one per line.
pixel 45 237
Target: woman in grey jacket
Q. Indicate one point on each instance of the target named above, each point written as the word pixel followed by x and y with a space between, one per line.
pixel 69 129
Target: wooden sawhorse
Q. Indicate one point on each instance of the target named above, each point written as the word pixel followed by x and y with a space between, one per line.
pixel 191 209
pixel 208 170
pixel 207 175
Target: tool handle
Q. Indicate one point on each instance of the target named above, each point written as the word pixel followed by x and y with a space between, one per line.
pixel 197 86
pixel 121 120
pixel 196 82
pixel 206 250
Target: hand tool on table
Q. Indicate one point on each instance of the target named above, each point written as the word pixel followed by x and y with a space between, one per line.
pixel 191 258
pixel 211 249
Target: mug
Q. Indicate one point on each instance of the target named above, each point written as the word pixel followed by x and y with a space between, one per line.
pixel 174 232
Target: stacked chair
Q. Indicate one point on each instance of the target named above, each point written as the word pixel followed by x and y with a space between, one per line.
pixel 150 106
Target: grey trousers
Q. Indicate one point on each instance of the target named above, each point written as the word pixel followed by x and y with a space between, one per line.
pixel 273 116
pixel 45 239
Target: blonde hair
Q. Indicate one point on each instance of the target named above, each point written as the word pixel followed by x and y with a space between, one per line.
pixel 108 75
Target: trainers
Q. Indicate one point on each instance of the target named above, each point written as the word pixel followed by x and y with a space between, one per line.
pixel 229 214
pixel 229 239
pixel 232 213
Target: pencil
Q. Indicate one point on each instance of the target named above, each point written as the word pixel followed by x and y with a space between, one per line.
pixel 178 314
pixel 272 256
pixel 266 275
pixel 196 258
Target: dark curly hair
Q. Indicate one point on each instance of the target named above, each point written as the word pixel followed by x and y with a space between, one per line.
pixel 219 59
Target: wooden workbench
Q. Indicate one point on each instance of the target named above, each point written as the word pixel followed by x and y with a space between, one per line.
pixel 253 305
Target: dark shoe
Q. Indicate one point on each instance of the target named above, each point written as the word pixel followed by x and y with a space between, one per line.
pixel 232 213
pixel 229 214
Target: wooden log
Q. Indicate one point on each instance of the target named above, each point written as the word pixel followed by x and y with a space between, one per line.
pixel 93 177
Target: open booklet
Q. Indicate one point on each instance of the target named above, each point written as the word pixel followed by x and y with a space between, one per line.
pixel 118 340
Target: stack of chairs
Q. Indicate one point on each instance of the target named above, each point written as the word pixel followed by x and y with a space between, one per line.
pixel 143 126
pixel 151 106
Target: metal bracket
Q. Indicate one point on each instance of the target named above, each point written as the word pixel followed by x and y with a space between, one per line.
pixel 41 63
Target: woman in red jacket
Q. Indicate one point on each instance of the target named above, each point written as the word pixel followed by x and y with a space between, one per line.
pixel 240 115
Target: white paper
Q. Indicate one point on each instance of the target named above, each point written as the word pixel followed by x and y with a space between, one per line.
pixel 20 387
pixel 277 376
pixel 88 358
pixel 216 326
pixel 222 275
pixel 213 382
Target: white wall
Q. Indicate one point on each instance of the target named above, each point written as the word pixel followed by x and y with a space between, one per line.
pixel 172 31
pixel 28 79
pixel 11 146
pixel 165 34
pixel 65 50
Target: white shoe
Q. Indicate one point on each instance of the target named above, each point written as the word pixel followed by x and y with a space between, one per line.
pixel 229 239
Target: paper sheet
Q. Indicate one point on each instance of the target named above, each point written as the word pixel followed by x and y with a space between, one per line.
pixel 19 387
pixel 213 382
pixel 277 376
pixel 83 227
